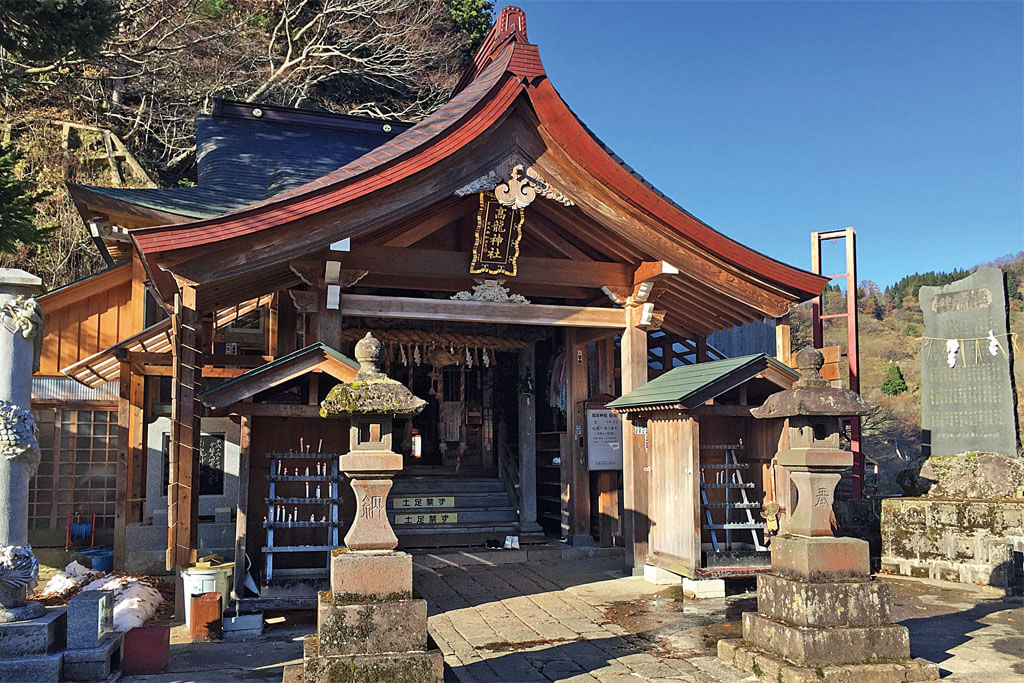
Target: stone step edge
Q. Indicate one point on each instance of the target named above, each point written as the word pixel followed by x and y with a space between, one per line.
pixel 767 667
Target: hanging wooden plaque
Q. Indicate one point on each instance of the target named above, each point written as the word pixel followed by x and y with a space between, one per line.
pixel 498 231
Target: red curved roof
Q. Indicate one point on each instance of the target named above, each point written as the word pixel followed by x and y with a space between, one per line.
pixel 505 67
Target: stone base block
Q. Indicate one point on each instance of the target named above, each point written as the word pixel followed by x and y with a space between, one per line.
pixel 822 558
pixel 34 668
pixel 773 669
pixel 371 574
pixel 826 646
pixel 700 589
pixel 660 577
pixel 416 666
pixel 36 636
pixel 371 628
pixel 96 663
pixel 822 604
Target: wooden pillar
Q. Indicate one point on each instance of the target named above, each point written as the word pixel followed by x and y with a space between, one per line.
pixel 609 481
pixel 242 506
pixel 635 468
pixel 186 410
pixel 123 467
pixel 528 442
pixel 287 321
pixel 702 349
pixel 689 495
pixel 131 462
pixel 783 348
pixel 574 463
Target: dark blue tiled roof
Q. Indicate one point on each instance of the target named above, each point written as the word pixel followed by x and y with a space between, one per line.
pixel 242 159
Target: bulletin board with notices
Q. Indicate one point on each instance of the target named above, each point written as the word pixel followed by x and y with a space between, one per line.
pixel 604 439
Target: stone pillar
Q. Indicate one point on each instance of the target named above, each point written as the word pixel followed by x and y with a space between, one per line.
pixel 21 332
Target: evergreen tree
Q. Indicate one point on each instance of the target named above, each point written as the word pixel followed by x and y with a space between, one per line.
pixel 18 199
pixel 894 383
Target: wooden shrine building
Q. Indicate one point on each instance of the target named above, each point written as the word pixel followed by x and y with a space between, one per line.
pixel 519 273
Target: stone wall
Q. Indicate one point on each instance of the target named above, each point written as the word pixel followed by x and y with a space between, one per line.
pixel 971 541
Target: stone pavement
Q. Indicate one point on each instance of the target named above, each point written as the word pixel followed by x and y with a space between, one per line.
pixel 498 619
pixel 566 620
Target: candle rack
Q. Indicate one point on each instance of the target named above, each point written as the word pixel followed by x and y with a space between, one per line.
pixel 290 505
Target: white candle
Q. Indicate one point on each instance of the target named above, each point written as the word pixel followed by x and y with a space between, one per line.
pixel 307 489
pixel 307 470
pixel 318 491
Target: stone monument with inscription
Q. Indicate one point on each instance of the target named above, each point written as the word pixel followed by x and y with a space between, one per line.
pixel 968 403
pixel 369 626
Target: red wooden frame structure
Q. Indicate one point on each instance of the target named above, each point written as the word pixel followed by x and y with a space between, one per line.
pixel 852 332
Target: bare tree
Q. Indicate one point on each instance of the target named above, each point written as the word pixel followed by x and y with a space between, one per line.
pixel 169 58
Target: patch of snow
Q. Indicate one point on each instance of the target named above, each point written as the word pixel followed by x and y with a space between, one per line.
pixel 134 600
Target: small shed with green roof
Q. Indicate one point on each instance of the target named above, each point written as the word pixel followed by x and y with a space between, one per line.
pixel 707 467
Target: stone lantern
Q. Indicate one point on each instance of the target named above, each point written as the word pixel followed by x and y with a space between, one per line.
pixel 369 626
pixel 819 613
pixel 372 401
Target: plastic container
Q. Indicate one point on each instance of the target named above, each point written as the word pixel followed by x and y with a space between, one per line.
pixel 199 580
pixel 146 650
pixel 101 560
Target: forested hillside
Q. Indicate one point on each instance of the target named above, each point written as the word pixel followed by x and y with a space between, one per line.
pixel 72 72
pixel 891 327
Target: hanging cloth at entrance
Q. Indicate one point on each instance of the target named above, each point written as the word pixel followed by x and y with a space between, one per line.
pixel 556 390
pixel 450 416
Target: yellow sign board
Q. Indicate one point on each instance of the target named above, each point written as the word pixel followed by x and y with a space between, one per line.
pixel 423 502
pixel 427 518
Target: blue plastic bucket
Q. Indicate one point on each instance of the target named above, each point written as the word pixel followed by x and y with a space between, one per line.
pixel 100 560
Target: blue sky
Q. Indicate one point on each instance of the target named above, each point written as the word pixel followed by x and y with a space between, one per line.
pixel 769 120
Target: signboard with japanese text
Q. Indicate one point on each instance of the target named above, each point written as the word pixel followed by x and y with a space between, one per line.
pixel 604 439
pixel 496 242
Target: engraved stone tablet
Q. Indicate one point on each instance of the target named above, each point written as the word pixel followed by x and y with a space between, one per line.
pixel 967 394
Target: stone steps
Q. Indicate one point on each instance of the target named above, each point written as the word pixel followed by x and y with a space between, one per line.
pixel 481 506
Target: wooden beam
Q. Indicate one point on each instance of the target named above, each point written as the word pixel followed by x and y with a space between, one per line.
pixel 208 371
pixel 149 359
pixel 652 271
pixel 410 308
pixel 454 265
pixel 410 233
pixel 268 410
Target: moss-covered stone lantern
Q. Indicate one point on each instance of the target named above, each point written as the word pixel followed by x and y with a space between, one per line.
pixel 819 614
pixel 371 402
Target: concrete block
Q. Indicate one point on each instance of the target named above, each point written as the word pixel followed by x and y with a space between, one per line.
pixel 222 515
pixel 826 647
pixel 90 618
pixel 824 558
pixel 35 636
pixel 96 663
pixel 700 589
pixel 661 577
pixel 243 626
pixel 371 574
pixel 771 667
pixel 372 627
pixel 43 668
pixel 823 605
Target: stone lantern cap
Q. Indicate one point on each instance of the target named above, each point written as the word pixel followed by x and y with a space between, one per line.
pixel 371 392
pixel 811 394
